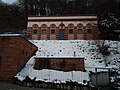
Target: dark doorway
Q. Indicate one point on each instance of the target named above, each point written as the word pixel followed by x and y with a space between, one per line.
pixel 62 34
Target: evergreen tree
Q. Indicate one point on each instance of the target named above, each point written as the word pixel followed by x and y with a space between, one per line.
pixel 110 26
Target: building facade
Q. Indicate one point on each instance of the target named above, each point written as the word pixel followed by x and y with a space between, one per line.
pixel 63 28
pixel 15 51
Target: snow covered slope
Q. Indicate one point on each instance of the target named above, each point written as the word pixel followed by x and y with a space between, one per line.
pixel 88 49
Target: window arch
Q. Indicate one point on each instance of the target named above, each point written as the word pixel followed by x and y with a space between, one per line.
pixel 43 26
pixel 61 26
pixel 70 26
pixel 34 26
pixel 52 26
pixel 89 26
pixel 80 26
pixel 44 29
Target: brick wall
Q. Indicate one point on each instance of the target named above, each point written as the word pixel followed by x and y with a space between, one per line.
pixel 15 51
pixel 74 36
pixel 62 64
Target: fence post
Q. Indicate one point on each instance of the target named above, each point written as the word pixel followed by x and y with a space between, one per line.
pixel 96 79
pixel 116 80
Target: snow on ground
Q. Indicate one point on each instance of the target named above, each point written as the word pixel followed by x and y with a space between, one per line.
pixel 51 75
pixel 87 49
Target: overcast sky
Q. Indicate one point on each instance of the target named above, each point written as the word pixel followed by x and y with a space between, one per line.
pixel 9 1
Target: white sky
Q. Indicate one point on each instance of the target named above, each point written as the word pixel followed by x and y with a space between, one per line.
pixel 9 1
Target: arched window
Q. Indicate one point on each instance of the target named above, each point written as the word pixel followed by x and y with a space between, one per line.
pixel 44 29
pixel 34 26
pixel 89 26
pixel 79 28
pixel 52 28
pixel 43 26
pixel 61 26
pixel 71 28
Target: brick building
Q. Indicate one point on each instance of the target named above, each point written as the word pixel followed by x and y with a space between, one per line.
pixel 15 51
pixel 63 28
pixel 60 63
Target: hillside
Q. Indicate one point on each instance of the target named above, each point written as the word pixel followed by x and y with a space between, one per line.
pixel 88 49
